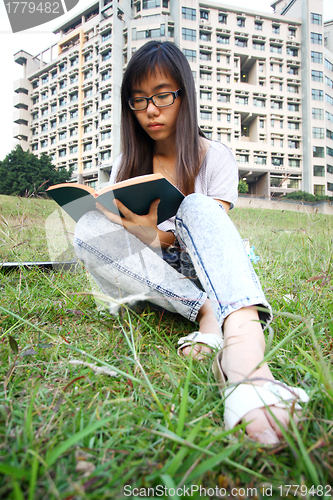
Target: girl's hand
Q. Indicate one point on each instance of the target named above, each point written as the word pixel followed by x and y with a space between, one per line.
pixel 143 227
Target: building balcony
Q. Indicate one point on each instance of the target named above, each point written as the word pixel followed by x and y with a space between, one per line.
pixel 21 132
pixel 21 100
pixel 21 116
pixel 21 85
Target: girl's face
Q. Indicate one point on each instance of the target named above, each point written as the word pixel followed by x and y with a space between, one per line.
pixel 158 122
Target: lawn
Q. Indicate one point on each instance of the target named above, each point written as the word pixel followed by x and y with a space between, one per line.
pixel 150 419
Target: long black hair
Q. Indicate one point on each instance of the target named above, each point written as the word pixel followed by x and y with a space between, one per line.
pixel 137 146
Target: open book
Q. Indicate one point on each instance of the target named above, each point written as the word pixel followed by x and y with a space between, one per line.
pixel 136 194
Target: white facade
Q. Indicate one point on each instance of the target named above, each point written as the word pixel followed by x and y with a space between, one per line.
pixel 249 69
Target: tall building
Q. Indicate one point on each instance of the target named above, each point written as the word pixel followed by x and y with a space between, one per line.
pixel 264 87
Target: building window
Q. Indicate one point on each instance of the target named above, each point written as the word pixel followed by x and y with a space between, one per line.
pixel 258 25
pixel 318 152
pixel 259 103
pixel 73 149
pixel 87 165
pixel 62 135
pixel 189 34
pixel 316 57
pixel 291 51
pixel 319 170
pixel 188 13
pixel 293 125
pixel 88 110
pixel 329 99
pixel 328 64
pixel 106 75
pixel 206 37
pixel 319 189
pixel 62 153
pixel 241 42
pixel 88 92
pixel 53 140
pixel 106 36
pixel 276 49
pixel 276 104
pixel 62 84
pixel 294 89
pixel 44 127
pixel 105 155
pixel 88 74
pixel 73 78
pixel 206 96
pixel 223 97
pixel 204 14
pixel 329 134
pixel 62 67
pixel 242 158
pixel 191 55
pixel 205 56
pixel 242 100
pixel 105 115
pixel 330 186
pixel 205 115
pixel 223 18
pixel 276 29
pixel 317 38
pixel 317 95
pixel 240 22
pixel 292 70
pixel 329 151
pixel 74 114
pixel 34 147
pixel 329 169
pixel 151 4
pixel 53 124
pixel 294 163
pixel 62 101
pixel 317 76
pixel 106 55
pixel 316 18
pixel 258 46
pixel 293 107
pixel 43 143
pixel 317 114
pixel 318 133
pixel 87 146
pixel 75 61
pixel 54 74
pixel 106 135
pixel 260 160
pixel 45 111
pixel 45 79
pixel 73 132
pixel 74 96
pixel 293 144
pixel 106 95
pixel 291 31
pixel 223 39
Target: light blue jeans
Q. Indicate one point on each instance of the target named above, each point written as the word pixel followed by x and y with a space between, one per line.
pixel 122 265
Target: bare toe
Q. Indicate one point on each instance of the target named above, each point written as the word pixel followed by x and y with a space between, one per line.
pixel 197 351
pixel 259 427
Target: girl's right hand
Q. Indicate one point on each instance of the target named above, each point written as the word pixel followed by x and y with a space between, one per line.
pixel 143 227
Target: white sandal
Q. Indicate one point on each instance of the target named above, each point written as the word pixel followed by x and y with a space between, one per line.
pixel 244 397
pixel 212 340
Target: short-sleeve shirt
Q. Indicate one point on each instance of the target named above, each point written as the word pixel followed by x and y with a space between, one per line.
pixel 217 178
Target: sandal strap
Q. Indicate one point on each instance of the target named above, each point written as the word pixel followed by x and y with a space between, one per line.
pixel 245 397
pixel 213 340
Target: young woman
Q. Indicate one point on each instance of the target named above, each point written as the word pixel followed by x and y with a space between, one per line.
pixel 133 256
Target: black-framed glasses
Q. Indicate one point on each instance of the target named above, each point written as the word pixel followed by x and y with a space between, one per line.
pixel 160 100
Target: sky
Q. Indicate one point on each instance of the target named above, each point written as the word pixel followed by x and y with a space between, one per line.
pixel 41 37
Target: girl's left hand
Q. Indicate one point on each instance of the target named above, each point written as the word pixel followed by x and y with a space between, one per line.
pixel 143 227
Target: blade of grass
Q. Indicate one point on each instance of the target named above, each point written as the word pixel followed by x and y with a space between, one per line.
pixel 304 454
pixel 17 491
pixel 212 462
pixel 183 404
pixel 14 472
pixel 33 477
pixel 63 447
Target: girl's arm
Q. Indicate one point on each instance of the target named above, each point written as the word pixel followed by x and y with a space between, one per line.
pixel 225 204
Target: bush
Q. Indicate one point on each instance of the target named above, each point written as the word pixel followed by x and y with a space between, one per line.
pixel 24 174
pixel 243 187
pixel 304 196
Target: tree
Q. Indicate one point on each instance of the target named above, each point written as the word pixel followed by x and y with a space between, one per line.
pixel 243 187
pixel 24 174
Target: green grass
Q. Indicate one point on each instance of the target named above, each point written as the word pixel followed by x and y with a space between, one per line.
pixel 69 433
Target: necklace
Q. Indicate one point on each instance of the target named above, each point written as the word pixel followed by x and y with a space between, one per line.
pixel 163 167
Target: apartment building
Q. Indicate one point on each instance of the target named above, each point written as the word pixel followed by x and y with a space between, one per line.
pixel 249 69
